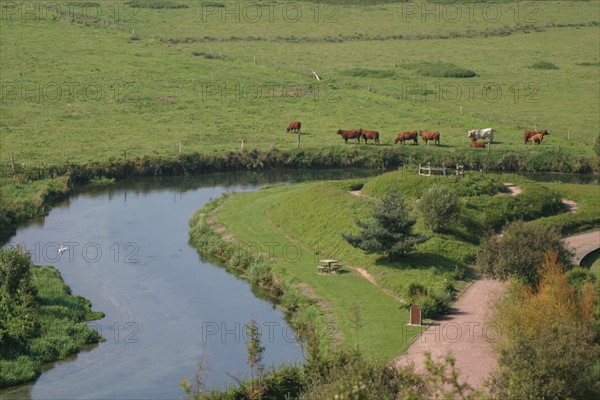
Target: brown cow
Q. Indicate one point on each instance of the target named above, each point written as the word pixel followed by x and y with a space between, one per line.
pixel 366 135
pixel 528 134
pixel 294 127
pixel 477 145
pixel 427 136
pixel 352 134
pixel 404 136
pixel 536 139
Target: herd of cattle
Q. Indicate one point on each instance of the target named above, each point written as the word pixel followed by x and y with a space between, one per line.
pixel 534 137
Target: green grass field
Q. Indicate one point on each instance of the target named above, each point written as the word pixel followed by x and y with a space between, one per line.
pixel 269 221
pixel 82 89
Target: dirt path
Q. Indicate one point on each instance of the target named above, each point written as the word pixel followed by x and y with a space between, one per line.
pixel 570 205
pixel 465 333
pixel 357 193
pixel 514 189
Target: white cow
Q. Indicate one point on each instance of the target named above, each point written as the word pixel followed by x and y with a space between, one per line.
pixel 487 133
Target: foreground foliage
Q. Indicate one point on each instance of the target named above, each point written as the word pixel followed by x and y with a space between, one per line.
pixel 40 321
pixel 548 346
pixel 347 375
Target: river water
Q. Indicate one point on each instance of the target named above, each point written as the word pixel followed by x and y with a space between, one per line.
pixel 165 306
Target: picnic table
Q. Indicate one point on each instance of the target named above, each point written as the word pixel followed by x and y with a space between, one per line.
pixel 329 265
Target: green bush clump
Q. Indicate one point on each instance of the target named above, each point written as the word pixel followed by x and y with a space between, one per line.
pixel 441 70
pixel 40 321
pixel 543 65
pixel 368 73
pixel 520 251
pixel 156 4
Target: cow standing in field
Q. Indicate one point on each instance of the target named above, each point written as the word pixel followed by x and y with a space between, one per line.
pixel 487 133
pixel 477 145
pixel 536 139
pixel 528 134
pixel 427 136
pixel 294 127
pixel 350 134
pixel 404 136
pixel 366 135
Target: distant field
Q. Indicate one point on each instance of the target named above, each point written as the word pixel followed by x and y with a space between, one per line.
pixel 128 81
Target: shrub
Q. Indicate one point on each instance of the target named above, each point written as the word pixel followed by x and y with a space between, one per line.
pixel 414 291
pixel 439 207
pixel 519 251
pixel 543 65
pixel 579 276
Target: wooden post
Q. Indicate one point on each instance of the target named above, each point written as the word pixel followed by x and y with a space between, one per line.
pixel 461 110
pixel 416 315
pixel 569 134
pixel 513 121
pixel 125 152
pixel 242 143
pixel 12 161
pixel 298 140
pixel 254 62
pixel 180 147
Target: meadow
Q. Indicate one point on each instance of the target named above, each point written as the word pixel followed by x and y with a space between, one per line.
pixel 98 82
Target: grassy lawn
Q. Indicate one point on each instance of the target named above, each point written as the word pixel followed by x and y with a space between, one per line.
pixel 384 334
pixel 299 225
pixel 587 215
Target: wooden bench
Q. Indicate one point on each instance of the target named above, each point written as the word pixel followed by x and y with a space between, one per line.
pixel 335 268
pixel 321 268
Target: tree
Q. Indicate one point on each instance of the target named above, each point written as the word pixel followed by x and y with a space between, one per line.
pixel 519 251
pixel 390 232
pixel 255 358
pixel 547 346
pixel 439 207
pixel 17 299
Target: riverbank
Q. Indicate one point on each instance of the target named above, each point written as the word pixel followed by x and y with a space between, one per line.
pixel 28 190
pixel 41 321
pixel 295 226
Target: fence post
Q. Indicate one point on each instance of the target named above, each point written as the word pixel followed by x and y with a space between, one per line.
pixel 12 161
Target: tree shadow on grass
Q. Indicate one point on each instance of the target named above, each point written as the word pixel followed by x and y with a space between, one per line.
pixel 421 260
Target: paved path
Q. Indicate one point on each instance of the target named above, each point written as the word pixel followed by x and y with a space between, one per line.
pixel 465 332
pixel 583 244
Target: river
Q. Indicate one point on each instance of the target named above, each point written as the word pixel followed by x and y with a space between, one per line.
pixel 165 305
